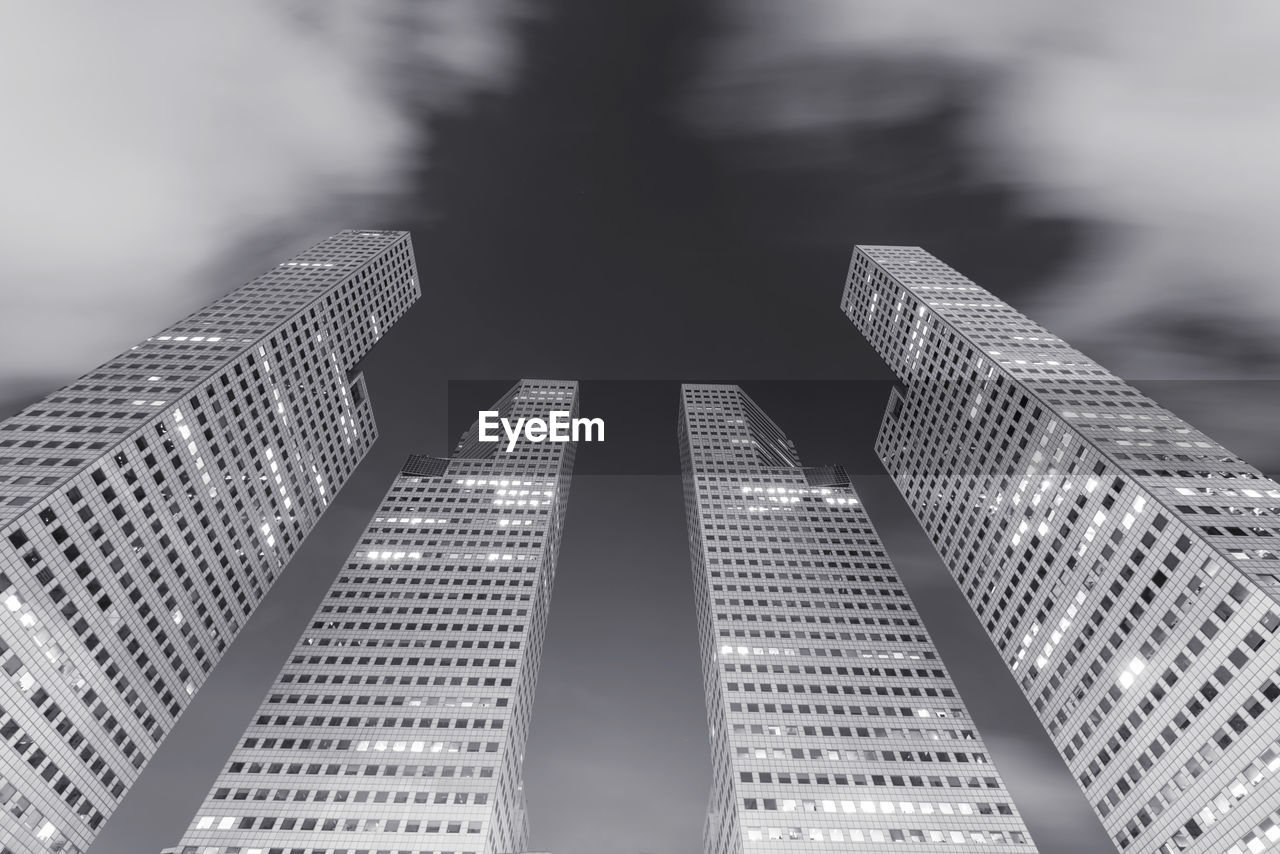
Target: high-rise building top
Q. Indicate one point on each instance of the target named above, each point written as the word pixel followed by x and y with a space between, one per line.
pixel 1125 565
pixel 833 722
pixel 146 508
pixel 344 293
pixel 400 721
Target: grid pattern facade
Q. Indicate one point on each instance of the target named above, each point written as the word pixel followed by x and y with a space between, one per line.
pixel 1125 565
pixel 834 725
pixel 399 723
pixel 146 508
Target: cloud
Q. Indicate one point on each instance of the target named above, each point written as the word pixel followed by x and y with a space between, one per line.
pixel 147 141
pixel 1159 127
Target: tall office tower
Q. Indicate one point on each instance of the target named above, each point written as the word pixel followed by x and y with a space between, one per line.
pixel 1124 564
pixel 831 717
pixel 146 508
pixel 399 722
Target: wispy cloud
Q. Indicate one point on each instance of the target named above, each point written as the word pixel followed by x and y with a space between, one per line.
pixel 146 140
pixel 1158 125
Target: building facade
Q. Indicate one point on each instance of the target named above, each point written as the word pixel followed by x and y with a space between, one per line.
pixel 834 725
pixel 146 508
pixel 1125 565
pixel 399 722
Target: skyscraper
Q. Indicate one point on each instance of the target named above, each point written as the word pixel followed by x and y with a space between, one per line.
pixel 399 722
pixel 832 719
pixel 1125 565
pixel 146 508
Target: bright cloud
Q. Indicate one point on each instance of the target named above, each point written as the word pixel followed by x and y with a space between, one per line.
pixel 1159 125
pixel 146 140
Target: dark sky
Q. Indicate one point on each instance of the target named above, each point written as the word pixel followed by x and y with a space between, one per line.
pixel 575 226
